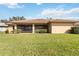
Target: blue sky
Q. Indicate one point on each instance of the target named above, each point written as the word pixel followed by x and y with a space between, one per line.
pixel 43 10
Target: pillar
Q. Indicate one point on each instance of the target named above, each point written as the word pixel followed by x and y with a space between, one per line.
pixel 33 28
pixel 51 28
pixel 15 27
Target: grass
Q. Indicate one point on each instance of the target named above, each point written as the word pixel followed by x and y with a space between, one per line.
pixel 39 44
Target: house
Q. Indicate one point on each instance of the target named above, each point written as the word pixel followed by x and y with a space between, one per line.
pixel 3 27
pixel 52 25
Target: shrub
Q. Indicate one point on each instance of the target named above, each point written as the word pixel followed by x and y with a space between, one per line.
pixel 41 31
pixel 7 31
pixel 17 31
pixel 75 30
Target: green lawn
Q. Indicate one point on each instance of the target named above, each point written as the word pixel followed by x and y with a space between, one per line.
pixel 39 44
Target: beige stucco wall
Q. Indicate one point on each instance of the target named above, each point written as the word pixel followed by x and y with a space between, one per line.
pixel 3 29
pixel 53 27
pixel 60 27
pixel 10 29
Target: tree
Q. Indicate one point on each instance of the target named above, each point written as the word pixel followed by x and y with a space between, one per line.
pixel 17 18
pixel 4 20
pixel 22 18
pixel 75 30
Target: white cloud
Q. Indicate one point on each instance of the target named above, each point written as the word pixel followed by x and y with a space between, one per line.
pixel 12 5
pixel 38 3
pixel 75 18
pixel 61 12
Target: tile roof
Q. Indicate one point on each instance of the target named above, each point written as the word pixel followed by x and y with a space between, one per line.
pixel 3 24
pixel 32 21
pixel 62 20
pixel 77 23
pixel 41 21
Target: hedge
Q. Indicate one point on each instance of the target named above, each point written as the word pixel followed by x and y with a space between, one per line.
pixel 75 30
pixel 41 31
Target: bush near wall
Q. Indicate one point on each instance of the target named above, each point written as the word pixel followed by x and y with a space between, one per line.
pixel 17 31
pixel 75 30
pixel 41 31
pixel 7 31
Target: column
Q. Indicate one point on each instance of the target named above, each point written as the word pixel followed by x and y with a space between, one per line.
pixel 51 28
pixel 15 27
pixel 33 28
